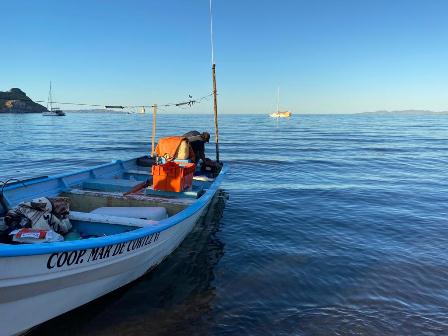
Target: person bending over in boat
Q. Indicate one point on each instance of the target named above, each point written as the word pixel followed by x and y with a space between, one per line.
pixel 197 141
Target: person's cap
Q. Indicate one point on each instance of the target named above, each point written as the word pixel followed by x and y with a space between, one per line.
pixel 206 136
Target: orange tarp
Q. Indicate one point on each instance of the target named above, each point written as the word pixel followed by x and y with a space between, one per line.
pixel 168 147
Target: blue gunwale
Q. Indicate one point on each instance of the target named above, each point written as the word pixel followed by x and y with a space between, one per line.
pixel 46 248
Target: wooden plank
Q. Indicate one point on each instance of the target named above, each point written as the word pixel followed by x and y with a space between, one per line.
pixel 86 201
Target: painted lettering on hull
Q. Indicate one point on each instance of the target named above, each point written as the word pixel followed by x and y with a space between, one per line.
pixel 70 258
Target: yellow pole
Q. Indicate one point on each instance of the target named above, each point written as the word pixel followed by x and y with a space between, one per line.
pixel 153 137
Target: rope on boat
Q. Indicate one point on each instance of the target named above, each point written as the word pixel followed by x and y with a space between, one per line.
pixel 180 104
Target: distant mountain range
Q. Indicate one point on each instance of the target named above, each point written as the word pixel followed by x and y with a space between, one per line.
pixel 406 112
pixel 16 101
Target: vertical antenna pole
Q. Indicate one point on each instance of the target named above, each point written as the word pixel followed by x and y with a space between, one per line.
pixel 153 136
pixel 211 32
pixel 215 93
pixel 215 108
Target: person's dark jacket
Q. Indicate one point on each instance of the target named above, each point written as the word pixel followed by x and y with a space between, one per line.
pixel 197 143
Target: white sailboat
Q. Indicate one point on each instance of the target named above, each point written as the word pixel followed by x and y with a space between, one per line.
pixel 278 113
pixel 52 111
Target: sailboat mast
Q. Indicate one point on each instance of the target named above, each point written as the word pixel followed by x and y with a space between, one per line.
pixel 278 98
pixel 215 93
pixel 51 99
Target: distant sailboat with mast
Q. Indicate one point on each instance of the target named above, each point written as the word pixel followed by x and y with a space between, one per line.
pixel 278 113
pixel 52 111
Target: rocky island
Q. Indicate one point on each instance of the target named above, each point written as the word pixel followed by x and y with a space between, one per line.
pixel 16 101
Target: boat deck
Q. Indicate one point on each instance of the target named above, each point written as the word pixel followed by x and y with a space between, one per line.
pixel 121 184
pixel 87 200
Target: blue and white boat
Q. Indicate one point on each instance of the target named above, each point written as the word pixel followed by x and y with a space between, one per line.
pixel 129 235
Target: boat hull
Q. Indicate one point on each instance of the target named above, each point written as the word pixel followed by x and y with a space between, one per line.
pixel 53 114
pixel 41 287
pixel 280 115
pixel 41 281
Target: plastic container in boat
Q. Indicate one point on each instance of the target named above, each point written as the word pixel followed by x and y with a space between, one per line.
pixel 172 176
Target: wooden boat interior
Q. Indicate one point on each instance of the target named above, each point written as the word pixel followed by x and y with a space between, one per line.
pixel 105 186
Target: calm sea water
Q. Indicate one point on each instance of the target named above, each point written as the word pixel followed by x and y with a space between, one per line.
pixel 336 225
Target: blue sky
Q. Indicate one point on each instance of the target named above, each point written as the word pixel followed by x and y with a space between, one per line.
pixel 327 56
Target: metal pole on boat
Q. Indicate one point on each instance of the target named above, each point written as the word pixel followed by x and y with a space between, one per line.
pixel 215 93
pixel 153 136
pixel 215 108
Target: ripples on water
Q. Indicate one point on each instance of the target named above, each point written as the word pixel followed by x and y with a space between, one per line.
pixel 336 225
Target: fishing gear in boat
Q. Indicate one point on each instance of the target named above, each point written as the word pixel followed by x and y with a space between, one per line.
pixel 42 213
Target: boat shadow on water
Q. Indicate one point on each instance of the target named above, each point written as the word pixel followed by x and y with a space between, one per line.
pixel 169 299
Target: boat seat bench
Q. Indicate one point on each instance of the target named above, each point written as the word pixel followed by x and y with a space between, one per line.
pixel 105 219
pixel 88 200
pixel 120 185
pixel 195 192
pixel 140 175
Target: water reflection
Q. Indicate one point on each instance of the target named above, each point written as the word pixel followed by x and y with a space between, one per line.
pixel 171 299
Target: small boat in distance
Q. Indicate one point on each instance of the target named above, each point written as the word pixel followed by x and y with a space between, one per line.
pixel 52 111
pixel 278 113
pixel 281 114
pixel 55 112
